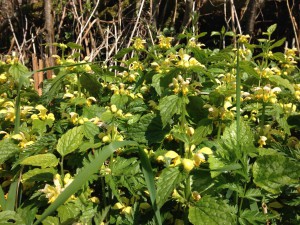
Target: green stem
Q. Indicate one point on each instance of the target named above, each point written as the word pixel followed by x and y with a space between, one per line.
pixel 62 167
pixel 238 98
pixel 18 110
pixel 78 85
pixel 241 203
pixel 187 193
pixel 262 121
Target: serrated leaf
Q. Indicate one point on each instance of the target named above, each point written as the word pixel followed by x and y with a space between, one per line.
pixel 252 194
pixel 119 100
pixel 90 83
pixel 247 67
pixel 279 56
pixel 273 172
pixel 282 82
pixel 156 83
pixel 37 174
pixel 252 217
pixel 209 210
pixel 148 130
pixel 123 166
pixel 90 130
pixel 42 160
pixel 51 220
pixel 167 182
pixel 168 106
pixel 67 213
pixel 7 150
pixel 70 141
pixel 9 217
pixel 271 28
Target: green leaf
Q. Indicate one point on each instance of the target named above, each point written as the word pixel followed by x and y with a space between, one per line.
pixel 73 45
pixel 252 217
pixel 209 210
pixel 282 82
pixel 252 194
pixel 83 176
pixel 156 83
pixel 271 28
pixel 247 67
pixel 147 130
pixel 10 217
pixel 123 166
pixel 149 177
pixel 37 174
pixel 123 52
pixel 167 182
pixel 11 196
pixel 70 141
pixel 90 130
pixel 67 213
pixel 215 33
pixel 42 160
pixel 119 100
pixel 51 220
pixel 278 43
pixel 90 83
pixel 168 106
pixel 7 150
pixel 273 172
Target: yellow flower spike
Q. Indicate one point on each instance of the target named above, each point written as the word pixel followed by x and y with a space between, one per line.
pixel 262 141
pixel 139 44
pixel 165 42
pixel 188 164
pixel 106 139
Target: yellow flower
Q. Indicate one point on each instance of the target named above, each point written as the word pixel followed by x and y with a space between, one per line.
pixel 43 112
pixel 244 38
pixel 165 42
pixel 50 116
pixel 188 164
pixel 135 65
pixel 74 117
pixel 139 44
pixel 3 78
pixel 262 141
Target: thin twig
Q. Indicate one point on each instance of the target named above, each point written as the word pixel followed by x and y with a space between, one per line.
pixel 136 23
pixel 87 22
pixel 15 37
pixel 294 26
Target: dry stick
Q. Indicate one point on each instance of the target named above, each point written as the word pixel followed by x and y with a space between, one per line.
pixel 15 37
pixel 136 23
pixel 232 22
pixel 63 16
pixel 87 22
pixel 294 26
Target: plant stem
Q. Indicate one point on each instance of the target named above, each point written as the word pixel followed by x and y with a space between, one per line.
pixel 262 122
pixel 238 98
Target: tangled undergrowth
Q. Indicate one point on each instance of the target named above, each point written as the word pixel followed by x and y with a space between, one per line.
pixel 176 134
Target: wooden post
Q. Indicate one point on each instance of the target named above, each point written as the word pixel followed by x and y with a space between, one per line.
pixel 35 67
pixel 48 63
pixel 40 77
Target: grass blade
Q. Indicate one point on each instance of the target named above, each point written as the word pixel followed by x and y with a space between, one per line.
pixel 83 176
pixel 11 197
pixel 149 177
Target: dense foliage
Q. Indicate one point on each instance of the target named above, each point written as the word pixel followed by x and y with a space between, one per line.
pixel 176 134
